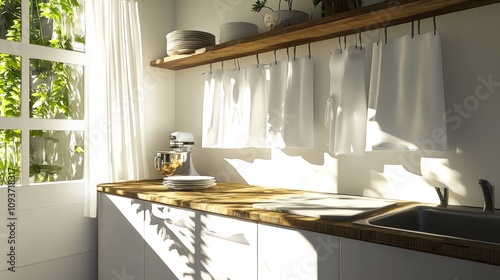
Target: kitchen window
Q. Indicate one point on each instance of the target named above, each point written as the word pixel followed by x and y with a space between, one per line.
pixel 42 90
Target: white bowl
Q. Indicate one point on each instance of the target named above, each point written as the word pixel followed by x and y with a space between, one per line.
pixel 237 30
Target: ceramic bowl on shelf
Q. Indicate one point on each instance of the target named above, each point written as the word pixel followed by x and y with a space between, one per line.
pixel 237 30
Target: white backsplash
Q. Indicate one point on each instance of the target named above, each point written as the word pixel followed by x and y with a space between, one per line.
pixel 470 73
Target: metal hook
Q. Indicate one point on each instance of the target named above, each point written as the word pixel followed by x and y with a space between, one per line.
pixel 412 29
pixel 385 33
pixel 378 39
pixel 345 42
pixel 434 22
pixel 258 62
pixel 309 48
pixel 360 42
pixel 294 52
pixel 356 41
pixel 287 54
pixel 210 68
pixel 275 61
pixel 340 45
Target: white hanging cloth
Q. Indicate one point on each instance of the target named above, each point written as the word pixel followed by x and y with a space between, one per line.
pixel 236 110
pixel 278 78
pixel 213 99
pixel 406 95
pixel 298 121
pixel 346 107
pixel 238 104
pixel 254 85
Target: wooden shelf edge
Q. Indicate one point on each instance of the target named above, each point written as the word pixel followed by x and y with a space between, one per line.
pixel 387 13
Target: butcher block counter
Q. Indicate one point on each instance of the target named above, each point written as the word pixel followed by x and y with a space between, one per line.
pixel 236 200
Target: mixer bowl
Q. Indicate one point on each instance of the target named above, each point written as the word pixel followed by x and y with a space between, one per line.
pixel 171 163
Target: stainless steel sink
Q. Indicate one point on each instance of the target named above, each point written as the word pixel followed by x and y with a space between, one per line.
pixel 459 222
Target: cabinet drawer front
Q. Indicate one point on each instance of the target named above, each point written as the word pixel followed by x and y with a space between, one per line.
pixel 228 248
pixel 286 253
pixel 170 238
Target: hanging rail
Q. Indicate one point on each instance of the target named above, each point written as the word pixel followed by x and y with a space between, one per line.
pixel 380 15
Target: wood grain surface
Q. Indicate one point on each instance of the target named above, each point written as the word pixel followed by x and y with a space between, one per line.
pixel 235 200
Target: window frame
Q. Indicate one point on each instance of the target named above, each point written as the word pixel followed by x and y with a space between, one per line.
pixel 27 51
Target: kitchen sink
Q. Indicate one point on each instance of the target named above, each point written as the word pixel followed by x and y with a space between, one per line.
pixel 456 221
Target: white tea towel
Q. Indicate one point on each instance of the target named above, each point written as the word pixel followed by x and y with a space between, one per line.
pixel 236 110
pixel 254 86
pixel 298 130
pixel 346 107
pixel 406 96
pixel 212 110
pixel 278 75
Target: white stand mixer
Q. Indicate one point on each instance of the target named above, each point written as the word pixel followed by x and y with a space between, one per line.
pixel 184 142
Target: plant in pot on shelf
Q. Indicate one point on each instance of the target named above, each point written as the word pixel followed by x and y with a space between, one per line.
pixel 280 18
pixel 329 7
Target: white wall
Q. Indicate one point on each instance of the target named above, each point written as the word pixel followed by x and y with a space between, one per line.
pixel 470 51
pixel 53 239
pixel 157 19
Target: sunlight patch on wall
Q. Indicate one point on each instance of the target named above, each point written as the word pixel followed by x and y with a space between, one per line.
pixel 292 172
pixel 396 182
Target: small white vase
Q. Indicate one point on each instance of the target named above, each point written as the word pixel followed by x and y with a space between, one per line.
pixel 283 18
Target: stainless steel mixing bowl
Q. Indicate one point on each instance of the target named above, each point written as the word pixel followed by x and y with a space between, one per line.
pixel 171 163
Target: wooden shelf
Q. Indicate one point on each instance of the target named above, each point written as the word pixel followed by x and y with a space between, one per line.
pixel 367 18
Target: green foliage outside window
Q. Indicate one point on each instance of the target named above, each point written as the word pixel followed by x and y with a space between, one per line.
pixel 55 91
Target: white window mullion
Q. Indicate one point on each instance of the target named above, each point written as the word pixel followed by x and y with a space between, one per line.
pixel 52 54
pixel 25 21
pixel 25 97
pixel 10 47
pixel 50 124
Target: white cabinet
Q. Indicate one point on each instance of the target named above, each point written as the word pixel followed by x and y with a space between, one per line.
pixel 365 260
pixel 228 248
pixel 120 238
pixel 286 253
pixel 148 241
pixel 170 242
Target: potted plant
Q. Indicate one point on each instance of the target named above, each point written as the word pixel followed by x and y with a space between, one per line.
pixel 280 18
pixel 329 7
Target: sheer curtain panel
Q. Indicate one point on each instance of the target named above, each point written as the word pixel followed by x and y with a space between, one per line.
pixel 116 138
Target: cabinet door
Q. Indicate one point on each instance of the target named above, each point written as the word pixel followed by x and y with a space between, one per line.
pixel 120 238
pixel 297 254
pixel 228 248
pixel 170 242
pixel 365 260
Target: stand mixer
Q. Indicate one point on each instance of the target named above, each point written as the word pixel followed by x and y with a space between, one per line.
pixel 178 161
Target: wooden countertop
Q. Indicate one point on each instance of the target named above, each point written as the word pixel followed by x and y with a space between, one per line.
pixel 236 200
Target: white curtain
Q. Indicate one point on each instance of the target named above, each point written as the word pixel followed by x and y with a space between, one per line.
pixel 116 141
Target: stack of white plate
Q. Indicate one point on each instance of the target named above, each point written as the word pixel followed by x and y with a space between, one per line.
pixel 237 30
pixel 187 41
pixel 189 183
